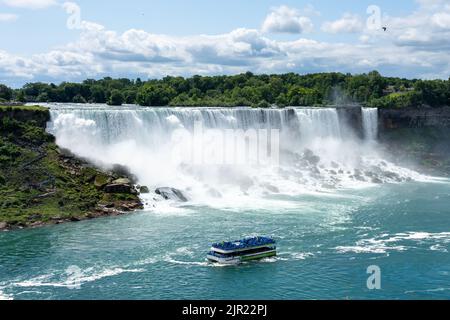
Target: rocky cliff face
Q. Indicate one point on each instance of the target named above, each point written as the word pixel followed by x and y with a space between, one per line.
pixel 414 118
pixel 418 136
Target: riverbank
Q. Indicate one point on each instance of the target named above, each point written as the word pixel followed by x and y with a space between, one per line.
pixel 41 184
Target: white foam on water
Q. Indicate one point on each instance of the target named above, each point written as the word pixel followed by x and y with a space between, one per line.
pixel 75 280
pixel 187 263
pixel 399 242
pixel 4 296
pixel 442 289
pixel 292 256
pixel 302 255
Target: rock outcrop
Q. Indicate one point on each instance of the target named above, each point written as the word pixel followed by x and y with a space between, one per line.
pixel 171 194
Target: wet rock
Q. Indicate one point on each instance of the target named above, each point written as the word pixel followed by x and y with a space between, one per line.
pixel 245 183
pixel 144 190
pixel 311 158
pixel 171 194
pixel 272 188
pixel 3 226
pixel 66 153
pixel 118 188
pixel 35 217
pixel 392 175
pixel 123 171
pixel 376 180
pixel 36 224
pixel 369 174
pixel 376 169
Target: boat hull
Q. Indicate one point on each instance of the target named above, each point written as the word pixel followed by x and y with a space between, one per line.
pixel 243 258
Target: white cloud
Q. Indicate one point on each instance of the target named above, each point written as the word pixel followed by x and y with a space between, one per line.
pixel 430 3
pixel 286 20
pixel 29 4
pixel 8 17
pixel 416 45
pixel 441 20
pixel 347 24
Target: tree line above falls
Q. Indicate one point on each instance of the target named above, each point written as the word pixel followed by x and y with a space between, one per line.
pixel 371 90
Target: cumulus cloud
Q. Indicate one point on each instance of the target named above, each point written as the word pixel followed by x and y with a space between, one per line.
pixel 416 45
pixel 284 19
pixel 29 4
pixel 347 24
pixel 441 20
pixel 8 17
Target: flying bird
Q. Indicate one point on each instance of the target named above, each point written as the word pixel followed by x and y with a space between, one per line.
pixel 385 29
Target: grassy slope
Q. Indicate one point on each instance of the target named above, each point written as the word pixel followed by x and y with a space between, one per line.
pixel 37 183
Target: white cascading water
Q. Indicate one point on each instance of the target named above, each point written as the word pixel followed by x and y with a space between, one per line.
pixel 318 152
pixel 370 123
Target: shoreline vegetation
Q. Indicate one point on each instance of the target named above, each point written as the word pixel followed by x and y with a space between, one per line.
pixel 247 89
pixel 41 184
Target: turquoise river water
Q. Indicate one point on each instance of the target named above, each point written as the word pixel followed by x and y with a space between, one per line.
pixel 330 220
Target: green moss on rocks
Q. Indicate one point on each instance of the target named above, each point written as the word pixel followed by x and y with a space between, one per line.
pixel 41 185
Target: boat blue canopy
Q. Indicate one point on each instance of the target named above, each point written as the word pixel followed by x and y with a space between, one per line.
pixel 244 243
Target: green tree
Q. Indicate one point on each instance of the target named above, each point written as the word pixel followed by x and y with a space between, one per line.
pixel 97 94
pixel 5 93
pixel 116 98
pixel 155 95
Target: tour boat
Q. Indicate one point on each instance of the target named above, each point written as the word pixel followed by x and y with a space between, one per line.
pixel 248 249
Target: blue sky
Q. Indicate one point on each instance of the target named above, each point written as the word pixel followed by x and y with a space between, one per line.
pixel 154 38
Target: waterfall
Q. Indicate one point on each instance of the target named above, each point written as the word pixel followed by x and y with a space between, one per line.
pixel 323 123
pixel 317 149
pixel 370 123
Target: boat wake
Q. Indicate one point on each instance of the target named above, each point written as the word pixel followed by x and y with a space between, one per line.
pixel 72 280
pixel 4 296
pixel 400 242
